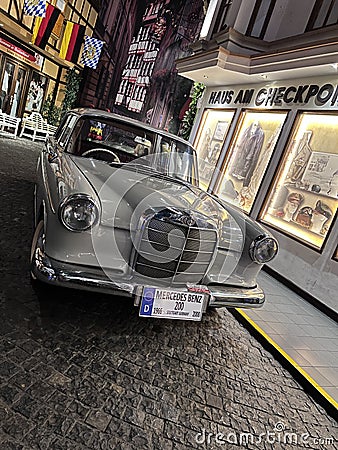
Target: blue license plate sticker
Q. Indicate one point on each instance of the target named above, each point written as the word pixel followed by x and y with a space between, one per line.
pixel 147 302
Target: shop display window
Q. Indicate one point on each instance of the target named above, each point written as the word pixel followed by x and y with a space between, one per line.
pixel 303 199
pixel 36 92
pixel 209 141
pixel 248 157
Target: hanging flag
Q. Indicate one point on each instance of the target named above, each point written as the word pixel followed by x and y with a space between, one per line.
pixel 35 8
pixel 44 26
pixel 91 52
pixel 72 41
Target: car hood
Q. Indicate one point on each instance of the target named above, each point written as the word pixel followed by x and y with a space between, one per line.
pixel 129 192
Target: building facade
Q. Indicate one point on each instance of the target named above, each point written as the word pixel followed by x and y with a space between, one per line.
pixel 267 128
pixel 115 26
pixel 29 72
pixel 150 88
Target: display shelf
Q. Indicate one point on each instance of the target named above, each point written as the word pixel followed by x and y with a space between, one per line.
pixel 295 230
pixel 312 193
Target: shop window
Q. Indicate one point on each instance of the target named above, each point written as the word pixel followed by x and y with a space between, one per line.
pixel 248 157
pixel 209 142
pixel 36 92
pixel 303 199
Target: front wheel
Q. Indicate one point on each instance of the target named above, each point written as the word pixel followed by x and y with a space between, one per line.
pixel 38 242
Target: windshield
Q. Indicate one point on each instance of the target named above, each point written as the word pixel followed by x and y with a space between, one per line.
pixel 118 142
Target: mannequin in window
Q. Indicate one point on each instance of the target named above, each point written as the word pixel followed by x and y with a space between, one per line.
pixel 32 94
pixel 6 83
pixel 301 158
pixel 16 96
pixel 247 152
pixel 39 96
pixel 248 192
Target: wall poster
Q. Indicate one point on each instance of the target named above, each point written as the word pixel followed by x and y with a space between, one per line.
pixel 248 157
pixel 209 141
pixel 304 196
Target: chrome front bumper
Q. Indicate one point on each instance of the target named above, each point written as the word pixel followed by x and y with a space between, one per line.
pixel 63 274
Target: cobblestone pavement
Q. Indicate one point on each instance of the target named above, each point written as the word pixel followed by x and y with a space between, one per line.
pixel 82 371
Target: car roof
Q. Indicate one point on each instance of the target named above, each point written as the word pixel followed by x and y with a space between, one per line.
pixel 125 119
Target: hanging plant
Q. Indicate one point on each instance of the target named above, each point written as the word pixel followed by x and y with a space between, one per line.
pixel 189 117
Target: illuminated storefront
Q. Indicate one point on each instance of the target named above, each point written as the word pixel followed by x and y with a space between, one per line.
pixel 30 72
pixel 271 150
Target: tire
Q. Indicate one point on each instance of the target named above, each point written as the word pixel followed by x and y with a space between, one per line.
pixel 38 286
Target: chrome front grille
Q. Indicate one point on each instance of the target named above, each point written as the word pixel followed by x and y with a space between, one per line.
pixel 175 251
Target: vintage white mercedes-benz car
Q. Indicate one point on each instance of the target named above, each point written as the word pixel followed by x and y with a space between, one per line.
pixel 118 210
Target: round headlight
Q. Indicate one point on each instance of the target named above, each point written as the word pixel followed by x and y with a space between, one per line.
pixel 263 249
pixel 78 212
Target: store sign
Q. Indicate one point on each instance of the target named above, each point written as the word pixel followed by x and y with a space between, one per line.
pixel 284 96
pixel 20 53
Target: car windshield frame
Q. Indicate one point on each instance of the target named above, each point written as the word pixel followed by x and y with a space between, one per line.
pixel 119 142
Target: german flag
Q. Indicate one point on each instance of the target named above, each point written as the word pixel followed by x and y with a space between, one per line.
pixel 44 26
pixel 72 41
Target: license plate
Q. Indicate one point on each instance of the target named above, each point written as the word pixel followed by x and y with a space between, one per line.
pixel 170 304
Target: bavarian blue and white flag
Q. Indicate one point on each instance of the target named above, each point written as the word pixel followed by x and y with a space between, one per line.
pixel 91 52
pixel 36 8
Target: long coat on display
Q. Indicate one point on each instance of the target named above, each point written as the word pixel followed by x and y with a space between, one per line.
pixel 247 153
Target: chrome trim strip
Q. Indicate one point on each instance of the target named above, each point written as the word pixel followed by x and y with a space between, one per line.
pixel 46 184
pixel 58 273
pixel 236 297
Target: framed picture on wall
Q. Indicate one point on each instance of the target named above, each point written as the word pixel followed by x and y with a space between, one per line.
pixel 220 130
pixel 322 173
